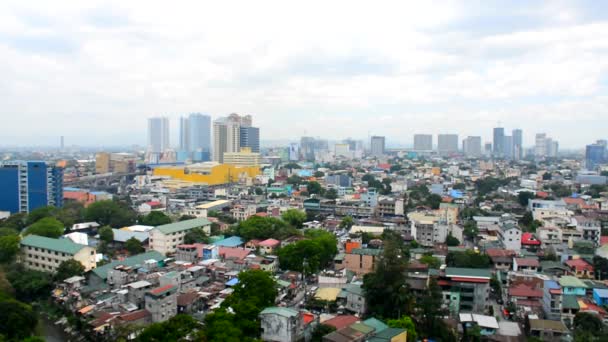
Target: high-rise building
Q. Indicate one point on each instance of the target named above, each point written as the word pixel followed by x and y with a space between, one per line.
pixel 447 143
pixel 507 147
pixel 595 154
pixel 471 146
pixel 115 162
pixel 552 148
pixel 423 142
pixel 487 149
pixel 199 136
pixel 158 134
pixel 27 185
pixel 307 148
pixel 377 146
pixel 250 137
pixel 227 135
pixel 294 152
pixel 540 145
pixel 184 135
pixel 499 141
pixel 518 144
pixel 244 158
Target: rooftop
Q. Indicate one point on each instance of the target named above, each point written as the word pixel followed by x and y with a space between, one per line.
pixel 545 324
pixel 102 271
pixel 183 225
pixel 366 251
pixel 460 272
pixel 570 281
pixel 232 241
pixel 274 310
pixel 162 290
pixel 56 245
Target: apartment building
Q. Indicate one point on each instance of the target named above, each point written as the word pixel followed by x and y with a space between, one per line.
pixel 243 212
pixel 45 254
pixel 167 237
pixel 465 289
pixel 161 302
pixel 361 260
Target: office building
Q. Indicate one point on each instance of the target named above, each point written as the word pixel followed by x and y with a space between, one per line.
pixel 518 144
pixel 44 254
pixel 552 148
pixel 447 143
pixel 227 135
pixel 310 146
pixel 115 162
pixel 377 146
pixel 595 154
pixel 294 152
pixel 499 141
pixel 487 149
pixel 243 158
pixel 423 142
pixel 27 185
pixel 540 145
pixel 199 137
pixel 507 147
pixel 184 135
pixel 471 147
pixel 343 150
pixel 158 134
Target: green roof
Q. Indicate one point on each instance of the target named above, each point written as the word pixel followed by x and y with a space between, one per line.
pixel 283 283
pixel 339 257
pixel 56 245
pixel 570 302
pixel 286 312
pixel 364 328
pixel 386 334
pixel 138 259
pixel 570 281
pixel 353 288
pixel 468 272
pixel 366 251
pixel 183 225
pixel 377 324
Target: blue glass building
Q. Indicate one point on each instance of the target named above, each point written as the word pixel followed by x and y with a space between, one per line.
pixel 595 154
pixel 27 185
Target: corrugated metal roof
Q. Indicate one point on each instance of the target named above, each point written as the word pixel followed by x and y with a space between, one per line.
pixel 138 259
pixel 183 225
pixel 56 245
pixel 273 310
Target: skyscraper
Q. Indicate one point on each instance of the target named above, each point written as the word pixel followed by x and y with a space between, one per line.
pixel 507 147
pixel 158 134
pixel 227 135
pixel 447 143
pixel 540 145
pixel 423 142
pixel 27 185
pixel 471 146
pixel 199 136
pixel 518 144
pixel 377 146
pixel 184 135
pixel 499 141
pixel 595 154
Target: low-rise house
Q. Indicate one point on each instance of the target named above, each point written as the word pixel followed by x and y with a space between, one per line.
pixel 552 299
pixel 502 259
pixel 591 229
pixel 548 330
pixel 525 265
pixel 190 302
pixel 580 268
pixel 161 302
pixel 572 286
pixel 243 212
pixel 488 325
pixel 600 296
pixel 46 254
pixel 269 246
pixel 281 324
pixel 465 289
pixel 524 295
pixel 355 299
pixel 361 260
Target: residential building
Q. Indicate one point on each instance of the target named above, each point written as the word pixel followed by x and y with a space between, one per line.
pixel 518 144
pixel 355 298
pixel 27 185
pixel 423 142
pixel 46 254
pixel 471 147
pixel 245 157
pixel 361 260
pixel 158 134
pixel 465 289
pixel 447 143
pixel 552 299
pixel 595 154
pixel 161 302
pixel 115 162
pixel 498 142
pixel 195 136
pixel 343 180
pixel 243 212
pixel 167 237
pixel 591 229
pixel 510 236
pixel 548 330
pixel 250 138
pixel 227 135
pixel 281 324
pixel 377 146
pixel 540 146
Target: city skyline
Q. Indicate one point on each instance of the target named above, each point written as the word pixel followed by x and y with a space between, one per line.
pixel 97 71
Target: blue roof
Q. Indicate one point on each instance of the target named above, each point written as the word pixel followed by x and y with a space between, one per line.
pixel 602 293
pixel 233 241
pixel 67 188
pixel 232 282
pixel 99 193
pixel 456 194
pixel 551 284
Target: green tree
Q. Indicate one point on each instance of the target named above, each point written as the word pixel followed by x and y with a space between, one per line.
pixel 318 250
pixel 451 241
pixel 430 309
pixel 186 217
pixel 431 261
pixel 459 186
pixel 258 191
pixel 294 217
pixel 587 324
pixel 547 176
pixel 433 201
pixel 469 258
pixel 69 268
pixel 314 187
pixel 470 229
pixel 524 196
pixel 110 213
pixel 331 194
pixel 16 221
pixel 600 265
pixel 175 329
pixel 257 227
pixel 347 222
pixel 221 326
pixel 9 247
pixel 40 213
pixel 320 331
pixel 72 212
pixel 106 234
pixel 196 235
pixel 406 323
pixel 17 320
pixel 134 246
pixel 29 285
pixel 155 218
pixel 49 227
pixel 319 174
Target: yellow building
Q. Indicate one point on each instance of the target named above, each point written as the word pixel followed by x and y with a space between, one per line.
pixel 243 158
pixel 210 173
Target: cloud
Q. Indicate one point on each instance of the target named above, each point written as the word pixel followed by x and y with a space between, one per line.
pixel 333 69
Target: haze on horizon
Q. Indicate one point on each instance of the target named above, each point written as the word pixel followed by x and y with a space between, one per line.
pixel 95 71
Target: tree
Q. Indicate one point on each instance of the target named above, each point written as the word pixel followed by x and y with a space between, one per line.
pixel 469 258
pixel 431 261
pixel 547 176
pixel 451 241
pixel 314 187
pixel 29 285
pixel 17 320
pixel 347 222
pixel 196 235
pixel 433 201
pixel 49 227
pixel 406 323
pixel 294 217
pixel 320 331
pixel 331 194
pixel 110 213
pixel 524 196
pixel 69 268
pixel 319 174
pixel 258 191
pixel 459 186
pixel 40 213
pixel 175 329
pixel 9 247
pixel 186 217
pixel 134 246
pixel 588 322
pixel 430 308
pixel 600 265
pixel 16 221
pixel 106 234
pixel 318 251
pixel 470 229
pixel 155 218
pixel 386 291
pixel 257 227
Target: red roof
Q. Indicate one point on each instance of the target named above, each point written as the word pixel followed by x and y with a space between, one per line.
pixel 579 265
pixel 270 243
pixel 542 194
pixel 384 166
pixel 161 289
pixel 527 262
pixel 261 214
pixel 603 240
pixel 523 290
pixel 234 252
pixel 570 200
pixel 308 317
pixel 135 315
pixel 529 239
pixel 153 203
pixel 470 280
pixel 342 321
pixel 499 252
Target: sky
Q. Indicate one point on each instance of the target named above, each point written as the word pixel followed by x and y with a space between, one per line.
pixel 95 71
